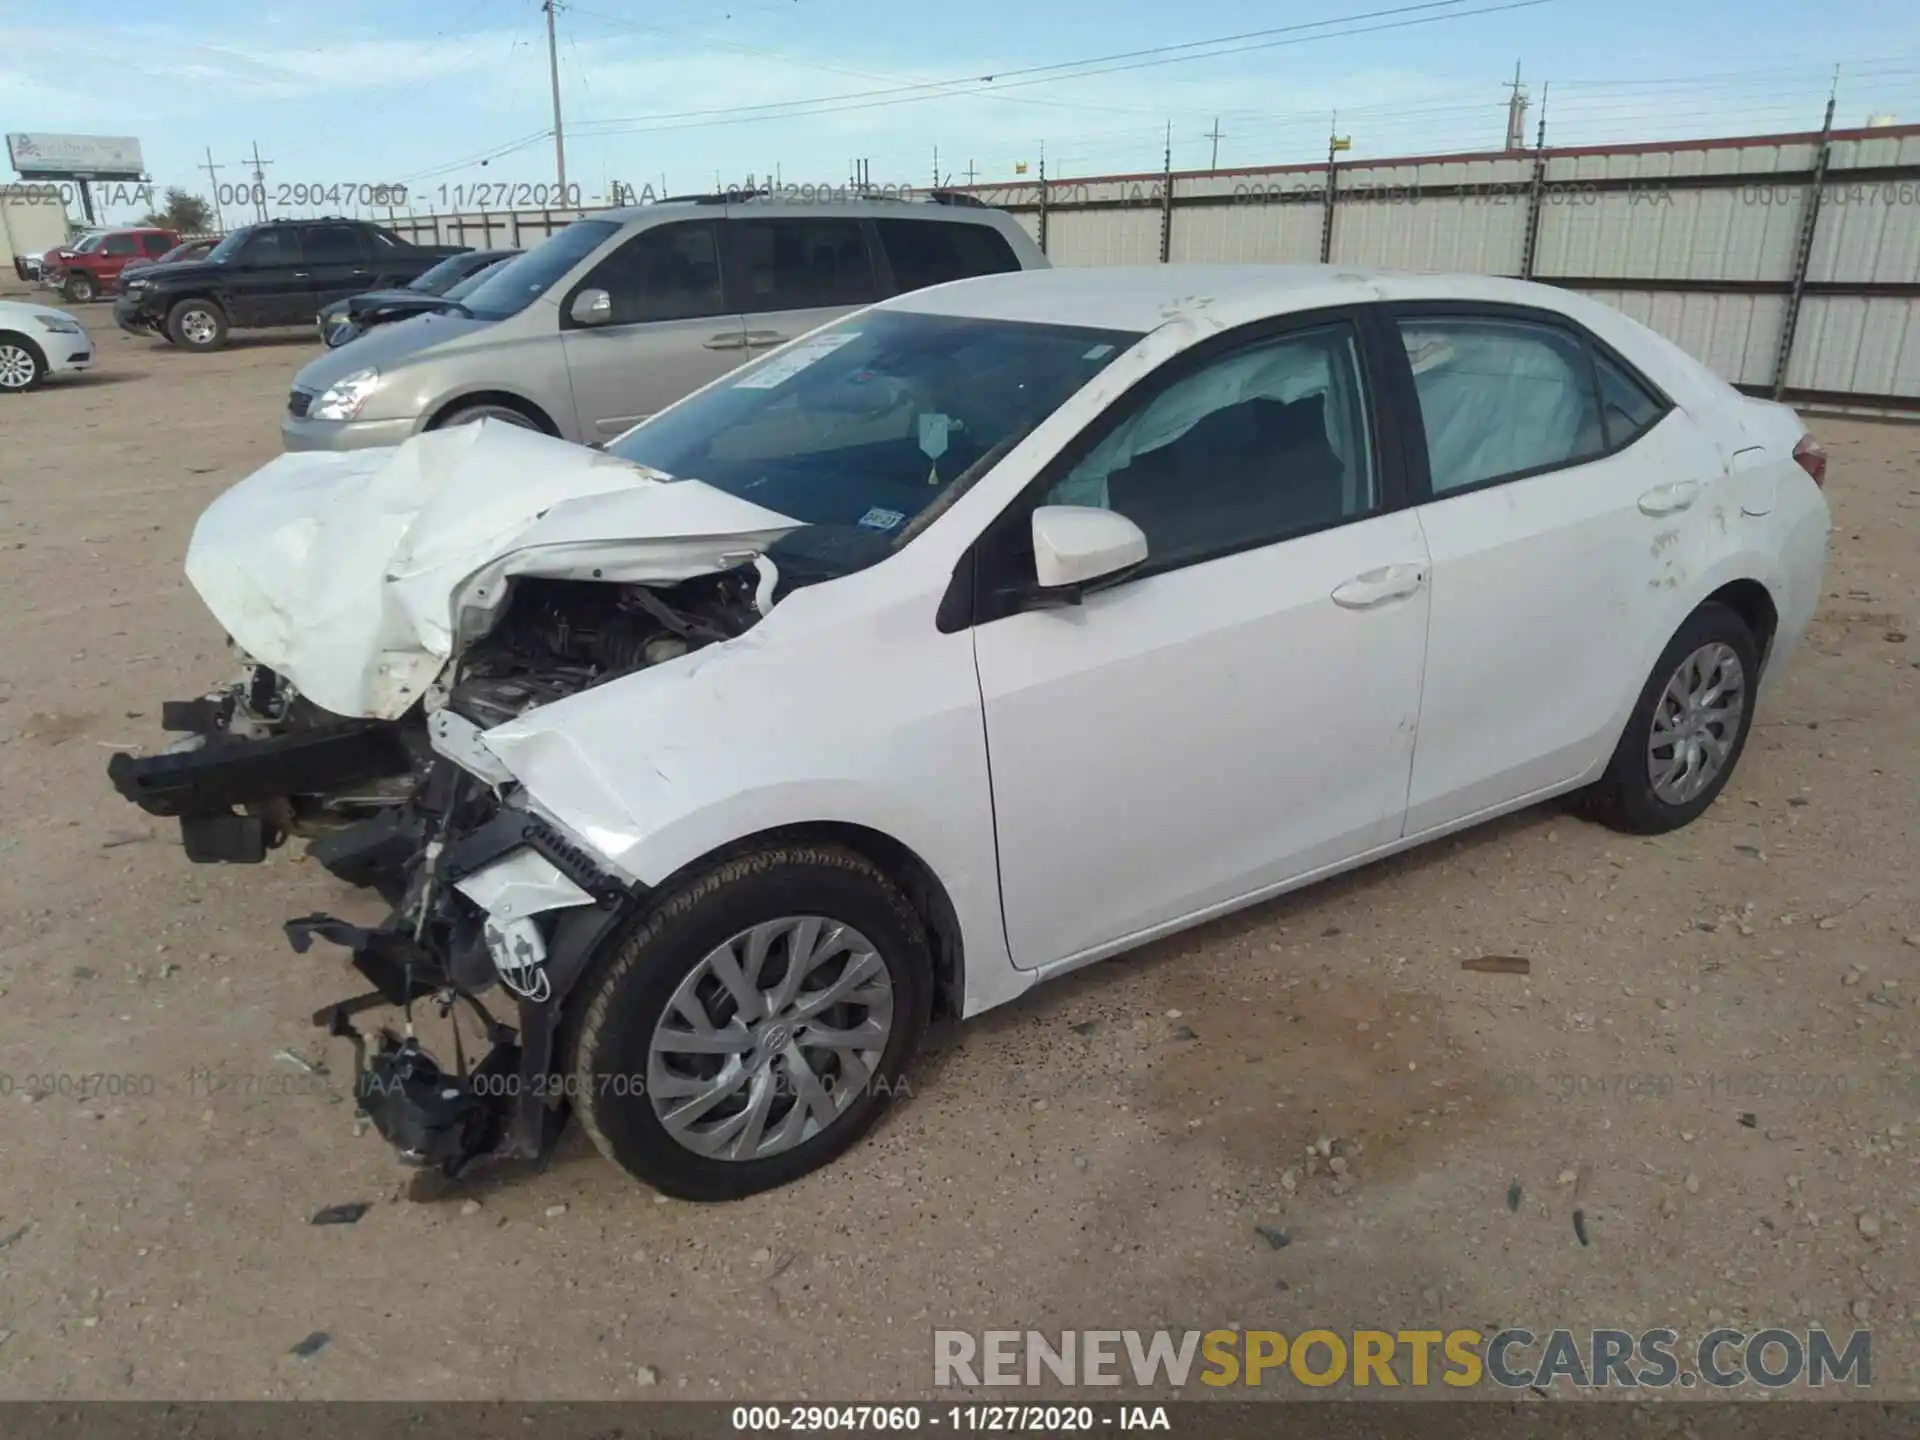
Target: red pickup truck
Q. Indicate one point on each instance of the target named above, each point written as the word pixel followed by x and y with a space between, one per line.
pixel 86 270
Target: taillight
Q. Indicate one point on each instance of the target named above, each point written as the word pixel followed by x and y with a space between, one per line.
pixel 1811 456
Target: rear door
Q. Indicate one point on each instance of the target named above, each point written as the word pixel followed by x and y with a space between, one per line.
pixel 792 273
pixel 1565 504
pixel 672 328
pixel 337 264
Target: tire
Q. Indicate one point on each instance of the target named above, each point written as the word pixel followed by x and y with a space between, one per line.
pixel 80 288
pixel 197 325
pixel 624 1003
pixel 473 414
pixel 1627 797
pixel 23 366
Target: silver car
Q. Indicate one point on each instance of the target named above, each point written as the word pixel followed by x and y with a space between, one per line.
pixel 619 315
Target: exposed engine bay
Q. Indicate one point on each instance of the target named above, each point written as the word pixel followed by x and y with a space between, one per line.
pixel 446 845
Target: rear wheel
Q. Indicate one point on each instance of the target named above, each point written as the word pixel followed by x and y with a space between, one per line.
pixel 756 1025
pixel 80 287
pixel 1687 730
pixel 22 366
pixel 197 325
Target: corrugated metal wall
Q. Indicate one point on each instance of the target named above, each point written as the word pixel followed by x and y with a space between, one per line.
pixel 1706 241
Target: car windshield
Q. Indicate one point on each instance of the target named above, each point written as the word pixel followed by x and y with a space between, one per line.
pixel 473 282
pixel 440 278
pixel 231 245
pixel 525 278
pixel 863 426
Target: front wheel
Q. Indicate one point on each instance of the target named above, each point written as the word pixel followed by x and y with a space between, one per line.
pixel 80 288
pixel 22 366
pixel 1687 730
pixel 197 325
pixel 474 414
pixel 755 1025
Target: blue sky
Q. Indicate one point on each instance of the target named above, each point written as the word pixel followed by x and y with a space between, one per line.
pixel 362 92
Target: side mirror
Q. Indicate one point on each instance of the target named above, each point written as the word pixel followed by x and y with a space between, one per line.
pixel 591 307
pixel 1074 545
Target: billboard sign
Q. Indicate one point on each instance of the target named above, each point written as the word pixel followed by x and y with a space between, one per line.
pixel 76 157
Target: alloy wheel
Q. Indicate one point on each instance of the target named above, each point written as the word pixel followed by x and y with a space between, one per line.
pixel 18 368
pixel 1696 722
pixel 770 1039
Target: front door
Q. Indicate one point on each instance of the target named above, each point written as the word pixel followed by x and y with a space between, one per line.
pixel 1240 713
pixel 670 332
pixel 268 282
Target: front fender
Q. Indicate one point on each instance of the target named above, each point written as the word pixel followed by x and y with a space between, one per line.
pixel 814 716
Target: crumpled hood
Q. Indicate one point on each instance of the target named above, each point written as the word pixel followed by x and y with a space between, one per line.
pixel 350 572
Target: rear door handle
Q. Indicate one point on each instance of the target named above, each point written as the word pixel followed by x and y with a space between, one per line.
pixel 1666 499
pixel 727 340
pixel 760 339
pixel 1376 587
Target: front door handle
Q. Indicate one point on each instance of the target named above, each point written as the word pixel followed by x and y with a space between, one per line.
pixel 1667 499
pixel 731 340
pixel 760 339
pixel 1376 587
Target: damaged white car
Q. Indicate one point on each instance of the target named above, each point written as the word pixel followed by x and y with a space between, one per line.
pixel 994 630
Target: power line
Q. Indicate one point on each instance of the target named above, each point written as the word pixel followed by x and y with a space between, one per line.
pixel 828 105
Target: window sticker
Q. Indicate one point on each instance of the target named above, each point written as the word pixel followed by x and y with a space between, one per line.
pixel 934 429
pixel 880 518
pixel 798 358
pixel 1098 352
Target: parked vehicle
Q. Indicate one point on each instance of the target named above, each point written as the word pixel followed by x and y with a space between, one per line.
pixel 275 273
pixel 32 265
pixel 178 255
pixel 994 630
pixel 88 269
pixel 37 341
pixel 452 280
pixel 619 315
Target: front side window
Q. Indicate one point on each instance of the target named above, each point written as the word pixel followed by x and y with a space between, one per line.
pixel 1500 398
pixel 156 244
pixel 121 245
pixel 524 279
pixel 1258 445
pixel 667 272
pixel 864 426
pixel 278 246
pixel 799 264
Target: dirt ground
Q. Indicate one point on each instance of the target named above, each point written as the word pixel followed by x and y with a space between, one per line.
pixel 1718 1030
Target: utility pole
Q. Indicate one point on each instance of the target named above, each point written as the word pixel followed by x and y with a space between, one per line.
pixel 213 184
pixel 259 182
pixel 553 74
pixel 1215 136
pixel 969 172
pixel 1516 112
pixel 936 167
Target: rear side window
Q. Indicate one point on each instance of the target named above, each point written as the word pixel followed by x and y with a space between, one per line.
pixel 931 252
pixel 799 264
pixel 121 245
pixel 1500 398
pixel 667 272
pixel 334 245
pixel 1628 407
pixel 157 244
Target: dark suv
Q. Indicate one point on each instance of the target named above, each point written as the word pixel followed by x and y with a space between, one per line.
pixel 279 272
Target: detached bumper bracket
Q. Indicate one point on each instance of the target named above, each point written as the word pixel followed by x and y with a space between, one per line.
pixel 216 777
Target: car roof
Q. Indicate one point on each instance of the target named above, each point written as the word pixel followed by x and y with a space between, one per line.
pixel 874 207
pixel 1145 297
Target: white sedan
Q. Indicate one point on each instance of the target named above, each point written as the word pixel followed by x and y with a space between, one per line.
pixel 997 629
pixel 37 341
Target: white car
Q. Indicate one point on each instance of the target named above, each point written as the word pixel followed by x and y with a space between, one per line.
pixel 37 341
pixel 999 628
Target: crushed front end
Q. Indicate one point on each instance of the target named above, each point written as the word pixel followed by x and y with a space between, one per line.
pixel 493 909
